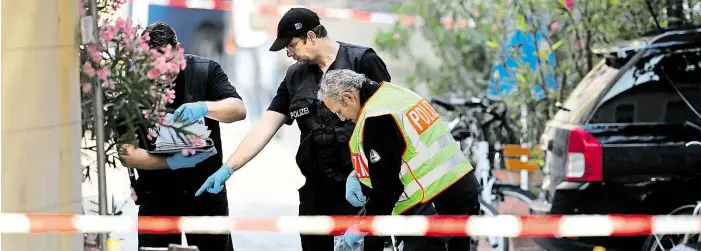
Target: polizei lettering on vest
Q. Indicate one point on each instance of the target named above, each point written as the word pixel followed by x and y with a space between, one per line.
pixel 299 113
pixel 422 116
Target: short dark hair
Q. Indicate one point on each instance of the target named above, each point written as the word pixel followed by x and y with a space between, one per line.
pixel 161 35
pixel 319 31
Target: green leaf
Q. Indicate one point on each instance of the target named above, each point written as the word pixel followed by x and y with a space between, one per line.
pixel 493 44
pixel 557 45
pixel 521 21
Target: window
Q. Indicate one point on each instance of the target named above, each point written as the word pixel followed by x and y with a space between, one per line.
pixel 580 101
pixel 646 92
pixel 625 113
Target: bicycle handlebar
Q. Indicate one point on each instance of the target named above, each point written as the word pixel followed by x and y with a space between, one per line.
pixel 452 104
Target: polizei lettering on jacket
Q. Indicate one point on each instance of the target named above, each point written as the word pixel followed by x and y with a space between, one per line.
pixel 299 113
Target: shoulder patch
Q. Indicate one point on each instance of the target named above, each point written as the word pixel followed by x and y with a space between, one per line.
pixel 374 156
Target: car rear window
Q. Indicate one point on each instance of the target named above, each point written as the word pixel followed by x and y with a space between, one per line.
pixel 649 91
pixel 585 96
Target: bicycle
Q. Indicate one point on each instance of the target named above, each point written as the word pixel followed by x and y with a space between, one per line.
pixel 677 242
pixel 475 128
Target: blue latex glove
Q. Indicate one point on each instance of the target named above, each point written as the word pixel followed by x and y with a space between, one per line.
pixel 179 160
pixel 215 182
pixel 352 237
pixel 191 111
pixel 354 194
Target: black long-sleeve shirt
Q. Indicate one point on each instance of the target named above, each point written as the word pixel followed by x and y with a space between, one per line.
pixel 383 136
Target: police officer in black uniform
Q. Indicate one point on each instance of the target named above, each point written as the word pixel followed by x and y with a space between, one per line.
pixel 323 156
pixel 167 186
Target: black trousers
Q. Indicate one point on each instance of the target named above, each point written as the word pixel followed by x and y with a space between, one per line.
pixel 458 199
pixel 321 196
pixel 185 203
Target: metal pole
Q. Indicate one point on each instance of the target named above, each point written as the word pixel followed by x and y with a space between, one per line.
pixel 100 131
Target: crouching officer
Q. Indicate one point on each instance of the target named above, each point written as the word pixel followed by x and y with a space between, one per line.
pixel 403 151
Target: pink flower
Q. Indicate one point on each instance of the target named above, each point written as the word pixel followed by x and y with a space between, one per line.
pixel 476 13
pixel 94 53
pixel 170 93
pixel 121 24
pixel 146 113
pixel 88 70
pixel 174 67
pixel 128 30
pixel 146 37
pixel 103 73
pixel 161 65
pixel 396 36
pixel 494 28
pixel 578 44
pixel 168 51
pixel 143 45
pixel 86 87
pixel 153 74
pixel 109 84
pixel 554 26
pixel 108 33
pixel 183 64
pixel 569 4
pixel 127 41
pixel 168 96
pixel 188 152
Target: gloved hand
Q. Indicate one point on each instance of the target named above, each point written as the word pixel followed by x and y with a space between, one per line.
pixel 354 193
pixel 191 111
pixel 179 160
pixel 352 237
pixel 215 182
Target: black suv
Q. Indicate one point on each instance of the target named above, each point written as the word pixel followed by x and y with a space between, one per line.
pixel 617 144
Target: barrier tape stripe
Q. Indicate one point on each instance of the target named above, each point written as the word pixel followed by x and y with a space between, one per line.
pixel 332 13
pixel 502 225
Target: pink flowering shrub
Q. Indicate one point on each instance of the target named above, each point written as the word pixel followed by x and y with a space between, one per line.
pixel 135 100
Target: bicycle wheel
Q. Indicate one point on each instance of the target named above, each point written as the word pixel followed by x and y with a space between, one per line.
pixel 494 243
pixel 668 242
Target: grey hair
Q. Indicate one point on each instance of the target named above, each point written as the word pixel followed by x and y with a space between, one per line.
pixel 335 82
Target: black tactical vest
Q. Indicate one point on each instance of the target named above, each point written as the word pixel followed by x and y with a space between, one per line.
pixel 323 149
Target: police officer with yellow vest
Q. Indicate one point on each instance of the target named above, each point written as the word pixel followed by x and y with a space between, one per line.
pixel 403 151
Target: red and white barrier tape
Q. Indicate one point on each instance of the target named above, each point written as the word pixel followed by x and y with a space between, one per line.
pixel 331 13
pixel 502 225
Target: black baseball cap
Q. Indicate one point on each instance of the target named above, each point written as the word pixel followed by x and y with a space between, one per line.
pixel 295 23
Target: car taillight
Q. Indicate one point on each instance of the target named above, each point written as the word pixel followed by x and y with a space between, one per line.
pixel 584 157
